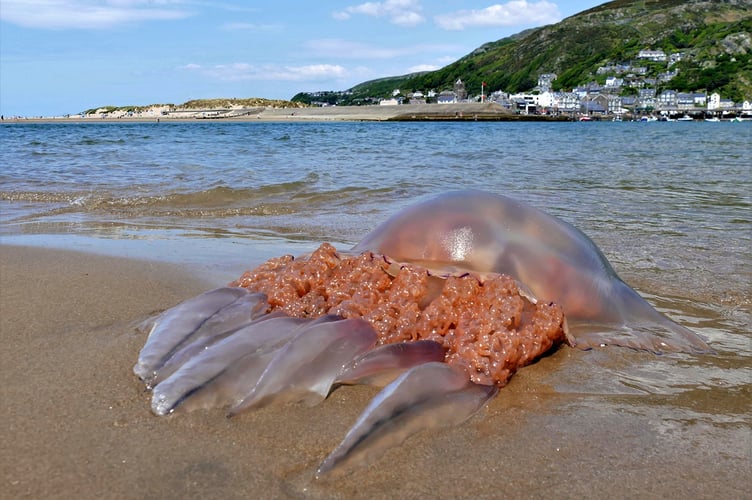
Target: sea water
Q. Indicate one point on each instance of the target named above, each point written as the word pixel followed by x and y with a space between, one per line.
pixel 669 203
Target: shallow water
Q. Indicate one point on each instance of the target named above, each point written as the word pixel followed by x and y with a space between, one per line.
pixel 670 205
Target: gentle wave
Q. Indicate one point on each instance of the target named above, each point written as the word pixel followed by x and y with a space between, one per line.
pixel 276 199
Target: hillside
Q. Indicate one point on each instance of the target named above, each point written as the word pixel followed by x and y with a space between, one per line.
pixel 362 93
pixel 713 37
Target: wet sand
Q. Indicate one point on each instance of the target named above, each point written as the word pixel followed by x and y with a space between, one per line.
pixel 77 422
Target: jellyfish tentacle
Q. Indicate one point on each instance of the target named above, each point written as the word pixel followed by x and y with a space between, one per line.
pixel 195 348
pixel 428 396
pixel 223 366
pixel 306 367
pixel 383 364
pixel 199 316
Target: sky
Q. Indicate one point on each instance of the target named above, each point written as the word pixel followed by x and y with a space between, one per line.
pixel 62 57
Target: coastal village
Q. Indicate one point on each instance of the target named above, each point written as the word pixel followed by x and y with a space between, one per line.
pixel 630 90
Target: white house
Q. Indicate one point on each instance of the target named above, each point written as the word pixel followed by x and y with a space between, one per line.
pixel 714 102
pixel 545 99
pixel 567 101
pixel 613 82
pixel 652 55
pixel 524 101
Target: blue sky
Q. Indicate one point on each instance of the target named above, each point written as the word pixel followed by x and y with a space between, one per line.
pixel 65 56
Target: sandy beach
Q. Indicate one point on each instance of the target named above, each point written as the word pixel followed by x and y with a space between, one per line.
pixel 77 422
pixel 412 112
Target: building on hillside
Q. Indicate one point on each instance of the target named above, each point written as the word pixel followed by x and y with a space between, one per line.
pixel 652 55
pixel 566 102
pixel 614 104
pixel 459 90
pixel 668 99
pixel 417 97
pixel 690 100
pixel 545 100
pixel 628 103
pixel 715 102
pixel 524 102
pixel 613 84
pixel 645 99
pixel 500 98
pixel 675 58
pixel 545 81
pixel 667 76
pixel 593 106
pixel 646 93
pixel 615 69
pixel 580 92
pixel 446 97
pixel 591 88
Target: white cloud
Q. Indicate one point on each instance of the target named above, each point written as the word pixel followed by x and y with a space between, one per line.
pixel 245 71
pixel 399 12
pixel 88 14
pixel 515 12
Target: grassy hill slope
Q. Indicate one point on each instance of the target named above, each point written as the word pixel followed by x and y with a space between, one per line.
pixel 715 38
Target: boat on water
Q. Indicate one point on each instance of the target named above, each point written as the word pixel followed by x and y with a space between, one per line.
pixel 585 119
pixel 650 118
pixel 714 119
pixel 685 118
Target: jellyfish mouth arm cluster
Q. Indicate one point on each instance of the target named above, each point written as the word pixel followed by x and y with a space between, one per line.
pixel 440 326
pixel 440 346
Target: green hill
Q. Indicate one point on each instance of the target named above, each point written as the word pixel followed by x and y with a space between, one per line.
pixel 714 39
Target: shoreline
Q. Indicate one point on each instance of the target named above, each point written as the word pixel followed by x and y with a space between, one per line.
pixel 410 112
pixel 458 112
pixel 78 421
